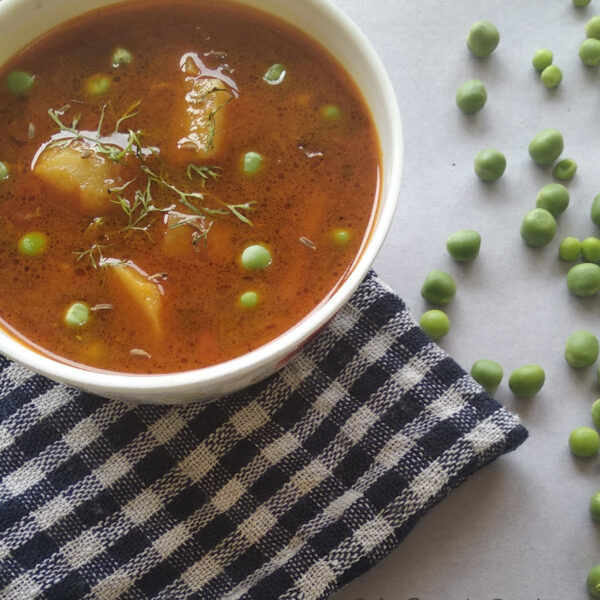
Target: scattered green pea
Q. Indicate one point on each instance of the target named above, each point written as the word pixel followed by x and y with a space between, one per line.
pixel 330 112
pixel 488 373
pixel 581 349
pixel 526 381
pixel 596 413
pixel 565 169
pixel 3 171
pixel 275 74
pixel 538 227
pixel 584 279
pixel 590 249
pixel 595 507
pixel 471 96
pixel 542 58
pixel 438 287
pixel 256 257
pixel 551 76
pixel 592 28
pixel 482 39
pixel 589 52
pixel 546 146
pixel 580 3
pixel 19 82
pixel 252 162
pixel 595 212
pixel 98 85
pixel 463 246
pixel 77 315
pixel 593 581
pixel 121 56
pixel 489 164
pixel 33 243
pixel 435 323
pixel 341 236
pixel 249 299
pixel 584 442
pixel 554 197
pixel 569 249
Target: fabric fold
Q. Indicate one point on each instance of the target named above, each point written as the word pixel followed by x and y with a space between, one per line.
pixel 286 490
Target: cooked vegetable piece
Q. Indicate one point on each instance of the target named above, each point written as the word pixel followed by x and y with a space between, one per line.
pixel 565 169
pixel 256 257
pixel 569 249
pixel 3 171
pixel 471 96
pixel 342 236
pixel 141 290
pixel 275 74
pixel 81 175
pixel 33 243
pixel 249 299
pixel 438 287
pixel 19 82
pixel 330 112
pixel 202 117
pixel 487 373
pixel 538 227
pixel 489 164
pixel 584 279
pixel 590 249
pixel 98 85
pixel 526 381
pixel 435 323
pixel 252 163
pixel 542 58
pixel 463 246
pixel 546 146
pixel 121 56
pixel 581 349
pixel 554 197
pixel 584 442
pixel 482 39
pixel 551 76
pixel 77 314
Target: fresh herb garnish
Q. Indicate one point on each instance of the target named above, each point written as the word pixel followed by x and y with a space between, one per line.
pixel 94 252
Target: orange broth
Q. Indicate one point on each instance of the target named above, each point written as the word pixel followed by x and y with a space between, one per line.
pixel 319 175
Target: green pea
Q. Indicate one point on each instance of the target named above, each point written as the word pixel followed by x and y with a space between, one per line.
pixel 463 246
pixel 435 323
pixel 330 112
pixel 554 197
pixel 121 56
pixel 565 169
pixel 542 58
pixel 589 52
pixel 3 171
pixel 596 413
pixel 526 381
pixel 584 442
pixel 249 299
pixel 546 146
pixel 482 39
pixel 595 507
pixel 581 349
pixel 538 227
pixel 487 373
pixel 471 96
pixel 341 236
pixel 256 257
pixel 98 85
pixel 592 28
pixel 551 76
pixel 584 279
pixel 438 287
pixel 275 74
pixel 569 249
pixel 77 315
pixel 19 82
pixel 252 162
pixel 33 243
pixel 580 3
pixel 489 164
pixel 593 580
pixel 590 249
pixel 595 212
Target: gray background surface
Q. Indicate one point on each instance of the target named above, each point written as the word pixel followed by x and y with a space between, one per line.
pixel 520 528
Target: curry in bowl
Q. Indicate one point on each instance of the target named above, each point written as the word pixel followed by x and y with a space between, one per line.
pixel 181 183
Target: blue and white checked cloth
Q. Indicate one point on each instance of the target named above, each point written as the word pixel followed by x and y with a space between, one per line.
pixel 287 490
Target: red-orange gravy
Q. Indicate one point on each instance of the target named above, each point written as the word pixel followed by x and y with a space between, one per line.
pixel 319 176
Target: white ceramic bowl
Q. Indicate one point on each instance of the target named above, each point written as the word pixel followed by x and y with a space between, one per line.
pixel 22 21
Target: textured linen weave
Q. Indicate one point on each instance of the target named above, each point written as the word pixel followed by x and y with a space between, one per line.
pixel 287 490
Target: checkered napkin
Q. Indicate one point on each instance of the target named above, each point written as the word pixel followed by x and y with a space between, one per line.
pixel 287 490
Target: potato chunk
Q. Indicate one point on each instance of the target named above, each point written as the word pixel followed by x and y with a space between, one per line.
pixel 140 291
pixel 81 175
pixel 202 117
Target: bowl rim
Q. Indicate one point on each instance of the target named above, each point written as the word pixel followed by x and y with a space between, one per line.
pixel 288 342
